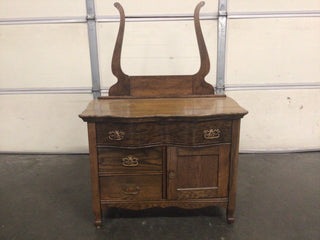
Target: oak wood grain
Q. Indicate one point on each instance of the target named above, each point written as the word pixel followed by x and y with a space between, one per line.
pixel 94 174
pixel 155 86
pixel 223 126
pixel 135 134
pixel 187 204
pixel 163 141
pixel 122 87
pixel 233 171
pixel 165 96
pixel 111 160
pixel 159 108
pixel 173 132
pixel 142 187
pixel 164 172
pixel 171 168
pixel 198 173
pixel 144 86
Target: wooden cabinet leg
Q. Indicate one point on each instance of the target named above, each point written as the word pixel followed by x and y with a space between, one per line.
pixel 98 223
pixel 98 216
pixel 230 217
pixel 233 170
pixel 94 175
pixel 98 219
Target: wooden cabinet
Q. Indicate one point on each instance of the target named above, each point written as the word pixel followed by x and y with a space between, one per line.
pixel 182 160
pixel 161 141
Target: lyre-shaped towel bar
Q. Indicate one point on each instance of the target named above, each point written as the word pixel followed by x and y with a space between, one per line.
pixel 163 85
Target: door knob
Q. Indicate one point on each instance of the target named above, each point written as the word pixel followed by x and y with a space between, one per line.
pixel 172 174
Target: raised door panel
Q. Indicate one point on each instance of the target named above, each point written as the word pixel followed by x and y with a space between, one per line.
pixel 198 172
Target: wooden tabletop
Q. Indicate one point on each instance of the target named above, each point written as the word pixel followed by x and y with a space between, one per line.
pixel 162 107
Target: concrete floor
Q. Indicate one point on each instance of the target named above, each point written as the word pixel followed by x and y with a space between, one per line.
pixel 48 197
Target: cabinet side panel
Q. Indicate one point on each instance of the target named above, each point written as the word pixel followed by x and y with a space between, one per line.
pixel 233 169
pixel 94 173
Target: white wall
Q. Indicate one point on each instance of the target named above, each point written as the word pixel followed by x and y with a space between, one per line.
pixel 41 8
pixel 276 51
pixel 44 55
pixel 272 5
pixel 279 119
pixel 43 123
pixel 259 51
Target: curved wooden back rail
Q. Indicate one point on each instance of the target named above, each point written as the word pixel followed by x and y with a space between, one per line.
pixel 163 85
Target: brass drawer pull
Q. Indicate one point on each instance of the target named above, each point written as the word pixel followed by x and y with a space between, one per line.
pixel 130 190
pixel 211 133
pixel 130 161
pixel 116 135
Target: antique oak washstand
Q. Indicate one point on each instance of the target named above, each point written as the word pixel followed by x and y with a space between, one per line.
pixel 161 141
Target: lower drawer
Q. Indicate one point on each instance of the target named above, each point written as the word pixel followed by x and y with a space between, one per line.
pixel 144 187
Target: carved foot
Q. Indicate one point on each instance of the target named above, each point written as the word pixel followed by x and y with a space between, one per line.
pixel 230 220
pixel 98 224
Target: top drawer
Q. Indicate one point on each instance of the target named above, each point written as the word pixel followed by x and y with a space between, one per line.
pixel 213 132
pixel 199 133
pixel 167 132
pixel 128 134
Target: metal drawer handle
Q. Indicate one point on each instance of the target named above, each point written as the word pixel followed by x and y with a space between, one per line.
pixel 116 135
pixel 130 161
pixel 211 133
pixel 129 190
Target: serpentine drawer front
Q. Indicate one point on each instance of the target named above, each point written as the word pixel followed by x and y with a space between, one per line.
pixel 164 132
pixel 198 133
pixel 124 134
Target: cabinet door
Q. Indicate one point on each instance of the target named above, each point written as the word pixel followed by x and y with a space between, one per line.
pixel 198 172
